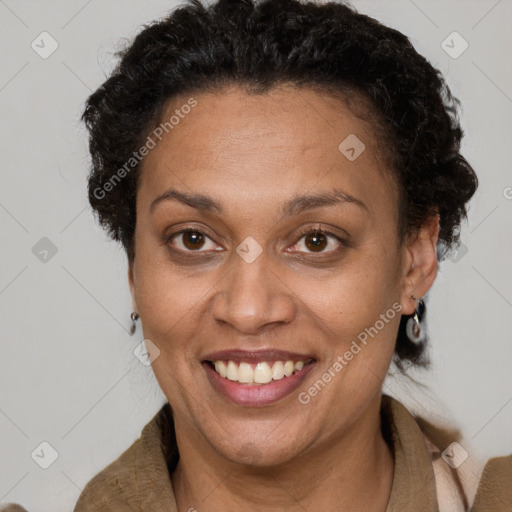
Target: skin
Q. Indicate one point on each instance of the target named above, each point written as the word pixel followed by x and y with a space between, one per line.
pixel 252 154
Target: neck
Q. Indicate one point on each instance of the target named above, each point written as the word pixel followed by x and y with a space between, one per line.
pixel 353 471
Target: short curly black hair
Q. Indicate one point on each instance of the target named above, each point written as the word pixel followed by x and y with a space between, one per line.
pixel 328 47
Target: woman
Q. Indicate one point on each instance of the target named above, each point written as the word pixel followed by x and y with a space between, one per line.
pixel 284 178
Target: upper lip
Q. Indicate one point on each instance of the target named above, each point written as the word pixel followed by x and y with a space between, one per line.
pixel 256 355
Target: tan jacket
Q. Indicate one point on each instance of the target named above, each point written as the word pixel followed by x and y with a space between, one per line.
pixel 423 482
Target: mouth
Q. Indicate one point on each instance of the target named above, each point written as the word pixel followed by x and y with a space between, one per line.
pixel 256 378
pixel 262 372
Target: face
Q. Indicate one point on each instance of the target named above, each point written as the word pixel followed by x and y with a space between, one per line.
pixel 259 241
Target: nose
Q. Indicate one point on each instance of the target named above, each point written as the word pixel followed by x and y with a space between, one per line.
pixel 252 298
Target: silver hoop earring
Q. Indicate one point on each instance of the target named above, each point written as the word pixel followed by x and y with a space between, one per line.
pixel 414 330
pixel 134 316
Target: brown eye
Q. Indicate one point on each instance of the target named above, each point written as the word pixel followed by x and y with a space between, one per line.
pixel 316 241
pixel 193 240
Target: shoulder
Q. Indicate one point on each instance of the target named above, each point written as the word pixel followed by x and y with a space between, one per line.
pixel 139 479
pixel 11 507
pixel 495 488
pixel 132 478
pixel 104 489
pixel 462 481
pixel 449 473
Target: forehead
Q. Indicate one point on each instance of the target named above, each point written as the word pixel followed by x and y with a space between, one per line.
pixel 288 139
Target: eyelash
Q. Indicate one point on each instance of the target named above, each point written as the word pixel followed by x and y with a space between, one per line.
pixel 302 234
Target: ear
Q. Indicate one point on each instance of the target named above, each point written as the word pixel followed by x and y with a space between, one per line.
pixel 420 264
pixel 131 282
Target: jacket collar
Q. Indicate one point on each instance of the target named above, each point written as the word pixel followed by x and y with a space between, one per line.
pixel 414 486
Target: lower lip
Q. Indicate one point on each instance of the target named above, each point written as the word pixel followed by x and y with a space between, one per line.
pixel 255 395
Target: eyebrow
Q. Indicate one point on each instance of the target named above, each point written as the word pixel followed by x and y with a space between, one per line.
pixel 294 206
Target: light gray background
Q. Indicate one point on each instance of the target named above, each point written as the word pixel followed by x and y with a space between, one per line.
pixel 67 372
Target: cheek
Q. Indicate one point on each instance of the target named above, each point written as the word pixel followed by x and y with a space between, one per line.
pixel 169 305
pixel 169 299
pixel 354 296
pixel 357 310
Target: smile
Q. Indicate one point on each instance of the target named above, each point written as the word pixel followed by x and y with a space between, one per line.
pixel 256 383
pixel 262 372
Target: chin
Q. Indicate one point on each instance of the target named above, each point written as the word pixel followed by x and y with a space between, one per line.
pixel 258 450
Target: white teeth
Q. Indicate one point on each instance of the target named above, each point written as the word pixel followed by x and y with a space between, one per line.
pixel 245 373
pixel 278 370
pixel 261 373
pixel 232 373
pixel 288 368
pixel 221 368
